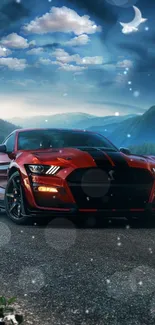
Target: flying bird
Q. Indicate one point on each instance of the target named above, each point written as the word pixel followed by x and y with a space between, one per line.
pixel 134 24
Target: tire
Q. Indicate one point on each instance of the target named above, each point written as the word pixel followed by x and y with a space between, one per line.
pixel 14 204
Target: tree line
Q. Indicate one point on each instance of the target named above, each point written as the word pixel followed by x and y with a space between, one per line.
pixel 143 149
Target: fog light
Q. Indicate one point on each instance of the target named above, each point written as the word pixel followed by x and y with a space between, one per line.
pixel 47 189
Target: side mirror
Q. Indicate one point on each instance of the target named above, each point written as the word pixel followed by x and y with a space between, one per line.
pixel 3 148
pixel 126 151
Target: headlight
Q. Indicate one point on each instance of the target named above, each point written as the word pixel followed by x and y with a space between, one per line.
pixel 43 169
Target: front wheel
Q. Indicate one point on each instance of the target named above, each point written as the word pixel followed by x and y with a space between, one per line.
pixel 14 204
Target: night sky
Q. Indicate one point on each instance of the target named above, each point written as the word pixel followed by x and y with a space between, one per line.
pixel 66 56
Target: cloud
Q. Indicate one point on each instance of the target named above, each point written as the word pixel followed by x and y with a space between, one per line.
pixel 98 8
pixel 122 106
pixel 70 67
pixel 4 51
pixel 62 65
pixel 124 64
pixel 14 63
pixel 63 20
pixel 15 41
pixel 48 62
pixel 87 60
pixel 32 43
pixel 64 57
pixel 35 51
pixel 78 40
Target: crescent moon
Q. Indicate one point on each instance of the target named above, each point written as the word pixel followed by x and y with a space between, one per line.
pixel 137 19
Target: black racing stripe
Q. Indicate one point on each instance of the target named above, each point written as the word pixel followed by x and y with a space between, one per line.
pixel 99 157
pixel 102 161
pixel 118 159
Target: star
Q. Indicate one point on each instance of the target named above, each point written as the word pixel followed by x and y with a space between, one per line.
pixel 125 72
pixel 116 113
pixel 129 82
pixel 130 89
pixel 146 28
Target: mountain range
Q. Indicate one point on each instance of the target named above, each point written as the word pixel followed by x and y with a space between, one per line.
pixel 5 129
pixel 69 120
pixel 136 130
pixel 127 130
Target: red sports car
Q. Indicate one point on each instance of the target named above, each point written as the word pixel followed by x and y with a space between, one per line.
pixel 60 171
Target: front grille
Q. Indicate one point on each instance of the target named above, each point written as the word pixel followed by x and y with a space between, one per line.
pixel 110 188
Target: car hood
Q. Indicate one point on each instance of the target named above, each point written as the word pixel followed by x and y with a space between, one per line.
pixel 62 153
pixel 64 156
pixel 84 156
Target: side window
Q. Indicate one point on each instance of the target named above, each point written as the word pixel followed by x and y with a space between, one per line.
pixel 10 143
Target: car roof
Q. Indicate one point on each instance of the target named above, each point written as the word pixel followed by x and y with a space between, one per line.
pixel 52 129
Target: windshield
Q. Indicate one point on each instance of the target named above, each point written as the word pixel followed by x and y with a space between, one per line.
pixel 44 139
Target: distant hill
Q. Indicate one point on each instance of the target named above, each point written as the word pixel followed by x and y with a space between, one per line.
pixel 69 120
pixel 65 120
pixel 128 130
pixel 101 122
pixel 6 128
pixel 135 131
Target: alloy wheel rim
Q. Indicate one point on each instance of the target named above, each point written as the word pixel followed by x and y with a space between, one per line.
pixel 14 198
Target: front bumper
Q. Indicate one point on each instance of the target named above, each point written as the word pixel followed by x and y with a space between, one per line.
pixel 73 211
pixel 134 195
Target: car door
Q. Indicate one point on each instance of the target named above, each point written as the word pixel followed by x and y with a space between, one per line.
pixel 4 163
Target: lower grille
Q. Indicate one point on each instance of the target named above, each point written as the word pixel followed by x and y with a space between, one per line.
pixel 46 200
pixel 123 188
